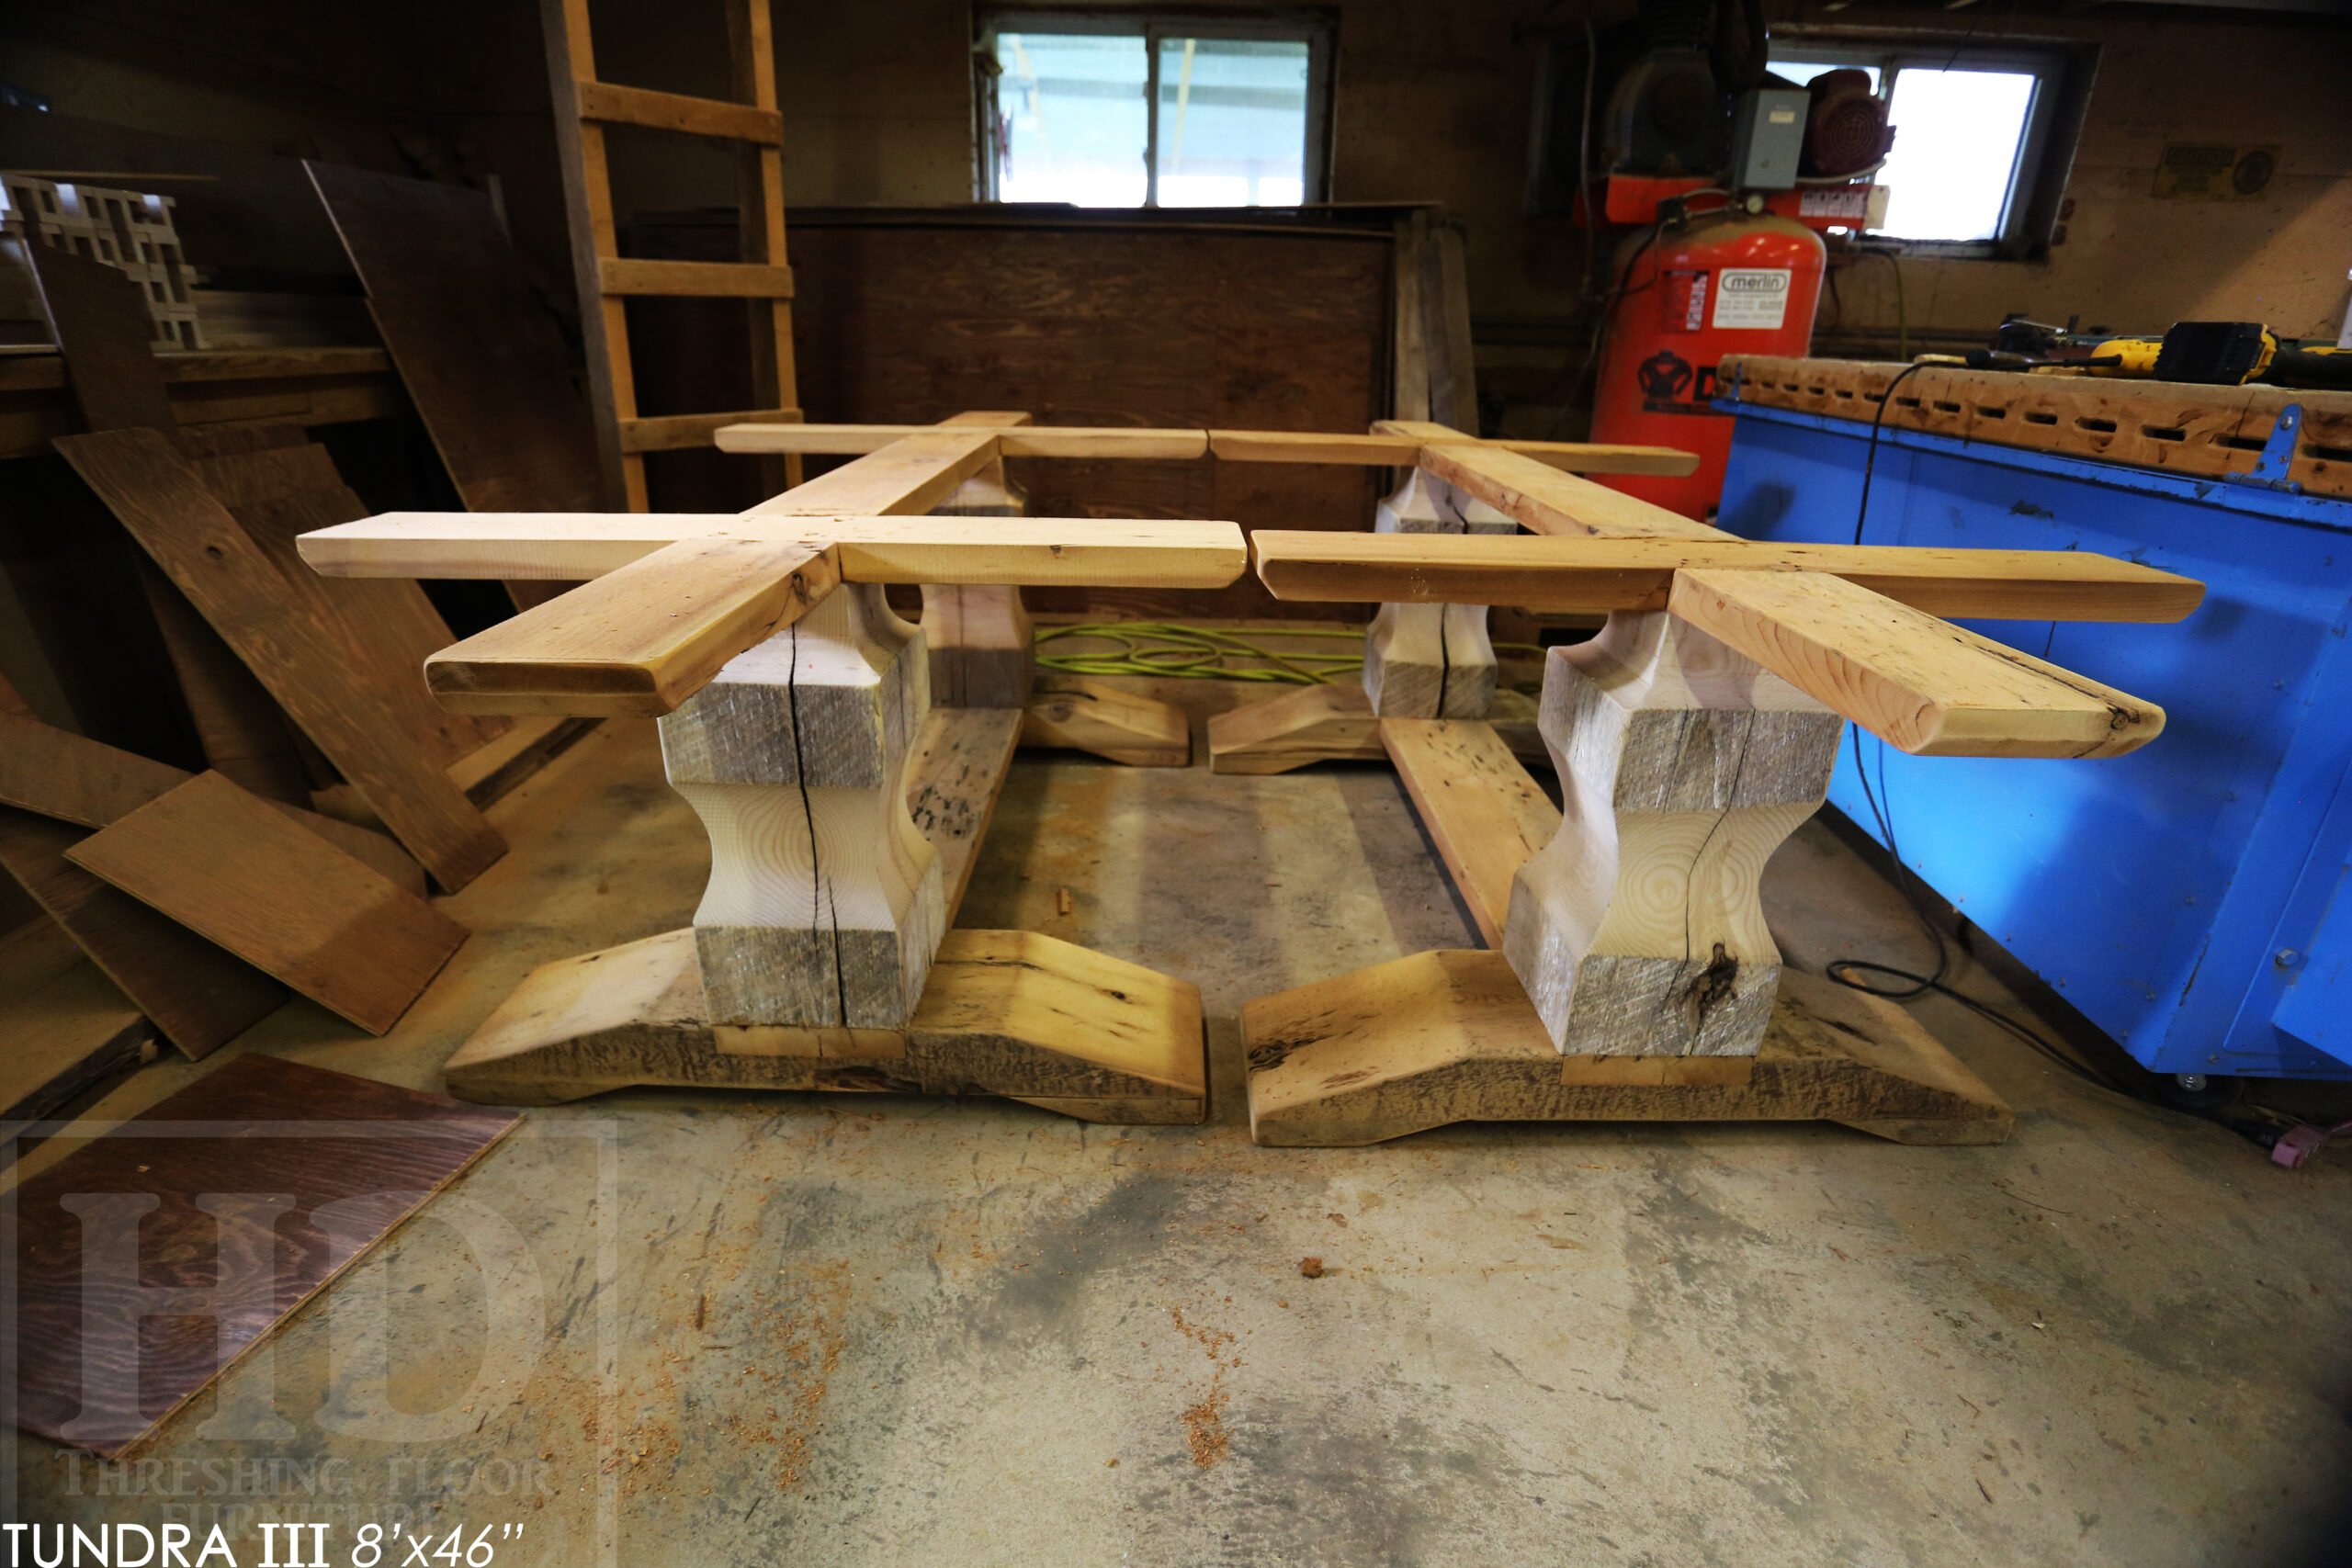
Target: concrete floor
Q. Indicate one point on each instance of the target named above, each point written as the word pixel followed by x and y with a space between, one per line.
pixel 888 1330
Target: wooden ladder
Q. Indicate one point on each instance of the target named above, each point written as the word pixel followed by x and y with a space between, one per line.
pixel 584 106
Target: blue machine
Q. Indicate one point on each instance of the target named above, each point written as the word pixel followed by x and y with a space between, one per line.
pixel 2188 897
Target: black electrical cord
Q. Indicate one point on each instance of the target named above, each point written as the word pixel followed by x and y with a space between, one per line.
pixel 1869 458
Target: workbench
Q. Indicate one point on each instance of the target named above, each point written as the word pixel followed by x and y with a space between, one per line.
pixel 2197 918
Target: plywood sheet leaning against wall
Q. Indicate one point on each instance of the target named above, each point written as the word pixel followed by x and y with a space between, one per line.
pixel 286 1174
pixel 481 353
pixel 1636 975
pixel 306 666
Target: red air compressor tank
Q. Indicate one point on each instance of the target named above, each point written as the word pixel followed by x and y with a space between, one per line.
pixel 1722 283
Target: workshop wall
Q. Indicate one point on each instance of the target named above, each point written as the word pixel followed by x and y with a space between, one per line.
pixel 1433 102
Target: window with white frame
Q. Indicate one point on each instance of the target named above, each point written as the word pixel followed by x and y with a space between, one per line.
pixel 1153 110
pixel 1972 134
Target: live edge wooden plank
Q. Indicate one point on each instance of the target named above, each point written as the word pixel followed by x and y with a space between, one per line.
pixel 1932 689
pixel 1638 573
pixel 1485 813
pixel 616 105
pixel 636 642
pixel 727 280
pixel 1036 551
pixel 222 863
pixel 164 506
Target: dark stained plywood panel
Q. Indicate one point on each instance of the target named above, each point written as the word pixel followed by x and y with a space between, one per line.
pixel 1159 324
pixel 226 866
pixel 106 1395
pixel 200 996
pixel 482 356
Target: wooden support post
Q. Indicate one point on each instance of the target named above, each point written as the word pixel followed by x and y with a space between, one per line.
pixel 824 906
pixel 1637 931
pixel 1431 660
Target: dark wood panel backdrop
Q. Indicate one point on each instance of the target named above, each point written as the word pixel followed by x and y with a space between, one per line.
pixel 1081 322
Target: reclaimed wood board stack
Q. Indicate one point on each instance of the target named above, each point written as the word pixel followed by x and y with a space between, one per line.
pixel 204 894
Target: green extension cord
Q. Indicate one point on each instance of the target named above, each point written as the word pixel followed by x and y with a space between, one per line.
pixel 1162 649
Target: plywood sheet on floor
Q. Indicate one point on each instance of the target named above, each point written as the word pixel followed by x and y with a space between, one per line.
pixel 278 1178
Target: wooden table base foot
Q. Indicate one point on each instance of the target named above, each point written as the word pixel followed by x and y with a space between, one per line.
pixel 1335 724
pixel 1313 724
pixel 1010 1013
pixel 1446 1037
pixel 1086 715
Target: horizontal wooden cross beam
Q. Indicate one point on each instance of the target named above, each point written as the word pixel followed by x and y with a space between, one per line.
pixel 673 598
pixel 1390 443
pixel 1850 625
pixel 1629 573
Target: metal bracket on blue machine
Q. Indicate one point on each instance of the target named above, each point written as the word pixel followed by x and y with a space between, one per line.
pixel 2269 469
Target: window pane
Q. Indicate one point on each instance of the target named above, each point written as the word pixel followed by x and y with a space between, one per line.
pixel 1957 136
pixel 1075 118
pixel 1803 72
pixel 1232 122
